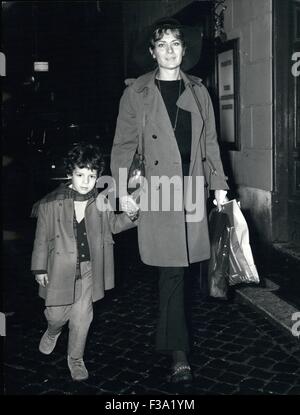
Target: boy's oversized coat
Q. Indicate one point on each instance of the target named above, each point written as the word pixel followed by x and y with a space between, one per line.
pixel 165 239
pixel 55 248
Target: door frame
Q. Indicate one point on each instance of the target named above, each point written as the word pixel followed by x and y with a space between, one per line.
pixel 281 123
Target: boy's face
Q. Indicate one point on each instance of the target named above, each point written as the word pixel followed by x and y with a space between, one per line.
pixel 83 180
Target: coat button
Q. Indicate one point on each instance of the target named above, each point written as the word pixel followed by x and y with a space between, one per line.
pixel 204 159
pixel 156 162
pixel 154 136
pixel 57 236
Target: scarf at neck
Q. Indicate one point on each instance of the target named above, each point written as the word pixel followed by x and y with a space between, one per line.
pixel 78 197
pixel 61 193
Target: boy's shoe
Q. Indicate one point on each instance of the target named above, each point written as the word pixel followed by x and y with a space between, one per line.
pixel 48 342
pixel 77 369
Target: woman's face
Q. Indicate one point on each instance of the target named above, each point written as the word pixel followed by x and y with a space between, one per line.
pixel 168 51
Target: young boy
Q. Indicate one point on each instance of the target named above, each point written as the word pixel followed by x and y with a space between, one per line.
pixel 72 256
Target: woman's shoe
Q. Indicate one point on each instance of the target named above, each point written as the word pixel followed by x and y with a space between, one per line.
pixel 181 373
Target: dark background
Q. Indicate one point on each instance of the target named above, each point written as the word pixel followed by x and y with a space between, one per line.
pixel 43 113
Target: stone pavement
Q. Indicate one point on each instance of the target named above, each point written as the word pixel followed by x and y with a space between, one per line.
pixel 236 350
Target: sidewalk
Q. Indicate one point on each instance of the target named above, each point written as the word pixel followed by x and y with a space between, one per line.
pixel 237 350
pixel 278 298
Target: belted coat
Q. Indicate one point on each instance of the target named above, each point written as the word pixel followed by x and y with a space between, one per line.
pixel 55 247
pixel 170 237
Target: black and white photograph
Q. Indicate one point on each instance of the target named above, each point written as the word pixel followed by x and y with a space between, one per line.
pixel 150 201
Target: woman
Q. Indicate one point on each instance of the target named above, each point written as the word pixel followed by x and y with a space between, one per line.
pixel 174 113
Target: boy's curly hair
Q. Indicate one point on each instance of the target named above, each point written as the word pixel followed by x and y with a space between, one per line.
pixel 84 155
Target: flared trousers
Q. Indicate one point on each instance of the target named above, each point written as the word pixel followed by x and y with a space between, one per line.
pixel 172 332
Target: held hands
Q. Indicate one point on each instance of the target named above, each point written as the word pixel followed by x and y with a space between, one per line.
pixel 42 279
pixel 220 198
pixel 102 203
pixel 129 206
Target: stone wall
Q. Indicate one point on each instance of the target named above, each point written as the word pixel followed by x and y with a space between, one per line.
pixel 251 22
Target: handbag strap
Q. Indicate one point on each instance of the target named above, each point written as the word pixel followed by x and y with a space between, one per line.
pixel 202 141
pixel 141 145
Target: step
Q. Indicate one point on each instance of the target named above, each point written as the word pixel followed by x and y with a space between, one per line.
pixel 289 249
pixel 265 300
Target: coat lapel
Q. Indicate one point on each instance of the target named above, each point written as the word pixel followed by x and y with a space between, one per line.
pixel 156 110
pixel 187 102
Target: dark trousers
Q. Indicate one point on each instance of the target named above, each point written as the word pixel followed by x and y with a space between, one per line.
pixel 172 333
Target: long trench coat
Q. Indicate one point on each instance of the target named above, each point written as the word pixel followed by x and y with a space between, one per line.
pixel 55 248
pixel 169 238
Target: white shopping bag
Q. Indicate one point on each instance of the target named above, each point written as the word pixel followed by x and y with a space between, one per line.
pixel 242 268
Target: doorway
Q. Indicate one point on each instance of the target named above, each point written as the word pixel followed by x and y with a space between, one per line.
pixel 286 115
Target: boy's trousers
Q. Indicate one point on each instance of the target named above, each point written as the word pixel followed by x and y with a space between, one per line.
pixel 79 314
pixel 172 333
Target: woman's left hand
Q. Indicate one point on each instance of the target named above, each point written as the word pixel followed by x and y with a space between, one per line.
pixel 220 198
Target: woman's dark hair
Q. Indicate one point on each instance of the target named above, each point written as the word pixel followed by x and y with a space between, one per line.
pixel 161 29
pixel 84 155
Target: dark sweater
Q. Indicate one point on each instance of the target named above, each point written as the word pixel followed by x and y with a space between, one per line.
pixel 82 242
pixel 183 133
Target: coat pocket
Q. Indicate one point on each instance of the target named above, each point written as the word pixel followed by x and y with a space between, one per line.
pixel 108 239
pixel 51 246
pixel 209 171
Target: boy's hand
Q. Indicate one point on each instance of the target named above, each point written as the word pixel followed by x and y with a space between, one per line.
pixel 42 279
pixel 129 206
pixel 102 203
